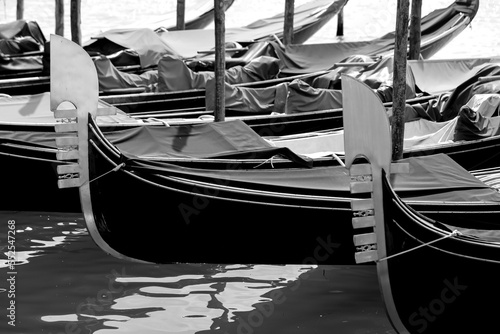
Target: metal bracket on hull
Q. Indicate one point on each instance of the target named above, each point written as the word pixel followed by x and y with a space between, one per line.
pixel 364 210
pixel 78 85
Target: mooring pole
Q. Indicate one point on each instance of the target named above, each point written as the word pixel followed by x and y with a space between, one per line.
pixel 288 24
pixel 399 80
pixel 181 12
pixel 340 23
pixel 220 60
pixel 76 18
pixel 415 29
pixel 59 17
pixel 20 9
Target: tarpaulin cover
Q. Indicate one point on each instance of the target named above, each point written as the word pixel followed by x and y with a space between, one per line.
pixel 21 38
pixel 20 29
pixel 111 78
pixel 232 139
pixel 470 87
pixel 438 28
pixel 311 15
pixel 475 122
pixel 145 42
pixel 431 178
pixel 175 75
pixel 151 45
pixel 294 97
pixel 297 96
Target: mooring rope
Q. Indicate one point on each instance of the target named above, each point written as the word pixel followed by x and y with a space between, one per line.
pixel 452 234
pixel 267 160
pixel 109 171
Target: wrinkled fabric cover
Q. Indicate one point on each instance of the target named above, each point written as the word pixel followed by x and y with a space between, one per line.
pixel 231 139
pixel 442 75
pixel 303 58
pixel 175 75
pixel 23 28
pixel 111 78
pixel 294 97
pixel 466 90
pixel 297 96
pixel 145 42
pixel 21 37
pixel 308 18
pixel 378 76
pixel 479 118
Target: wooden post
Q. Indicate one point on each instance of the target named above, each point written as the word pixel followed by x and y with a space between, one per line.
pixel 20 9
pixel 76 33
pixel 181 10
pixel 340 23
pixel 399 81
pixel 220 60
pixel 60 17
pixel 415 29
pixel 288 25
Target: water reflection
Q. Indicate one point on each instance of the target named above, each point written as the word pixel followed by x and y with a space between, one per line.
pixel 184 303
pixel 66 284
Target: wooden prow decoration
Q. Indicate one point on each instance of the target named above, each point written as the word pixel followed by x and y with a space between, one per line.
pixel 367 135
pixel 73 79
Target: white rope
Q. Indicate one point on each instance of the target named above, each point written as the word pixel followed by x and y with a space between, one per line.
pixel 270 159
pixel 452 234
pixel 336 157
pixel 113 170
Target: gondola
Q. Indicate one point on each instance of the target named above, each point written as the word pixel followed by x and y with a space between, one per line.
pixel 135 50
pixel 435 276
pixel 192 196
pixel 438 29
pixel 28 148
pixel 22 45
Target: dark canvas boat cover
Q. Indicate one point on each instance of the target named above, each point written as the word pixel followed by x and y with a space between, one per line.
pixel 24 36
pixel 435 177
pixel 186 43
pixel 21 42
pixel 298 96
pixel 174 75
pixel 438 28
pixel 431 178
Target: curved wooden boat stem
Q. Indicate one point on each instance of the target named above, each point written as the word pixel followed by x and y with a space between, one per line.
pixel 367 135
pixel 74 80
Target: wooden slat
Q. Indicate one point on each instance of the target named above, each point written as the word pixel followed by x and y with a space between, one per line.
pixel 66 127
pixel 362 204
pixel 69 183
pixel 68 169
pixel 69 155
pixel 365 239
pixel 360 169
pixel 361 187
pixel 65 113
pixel 361 222
pixel 67 141
pixel 368 256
